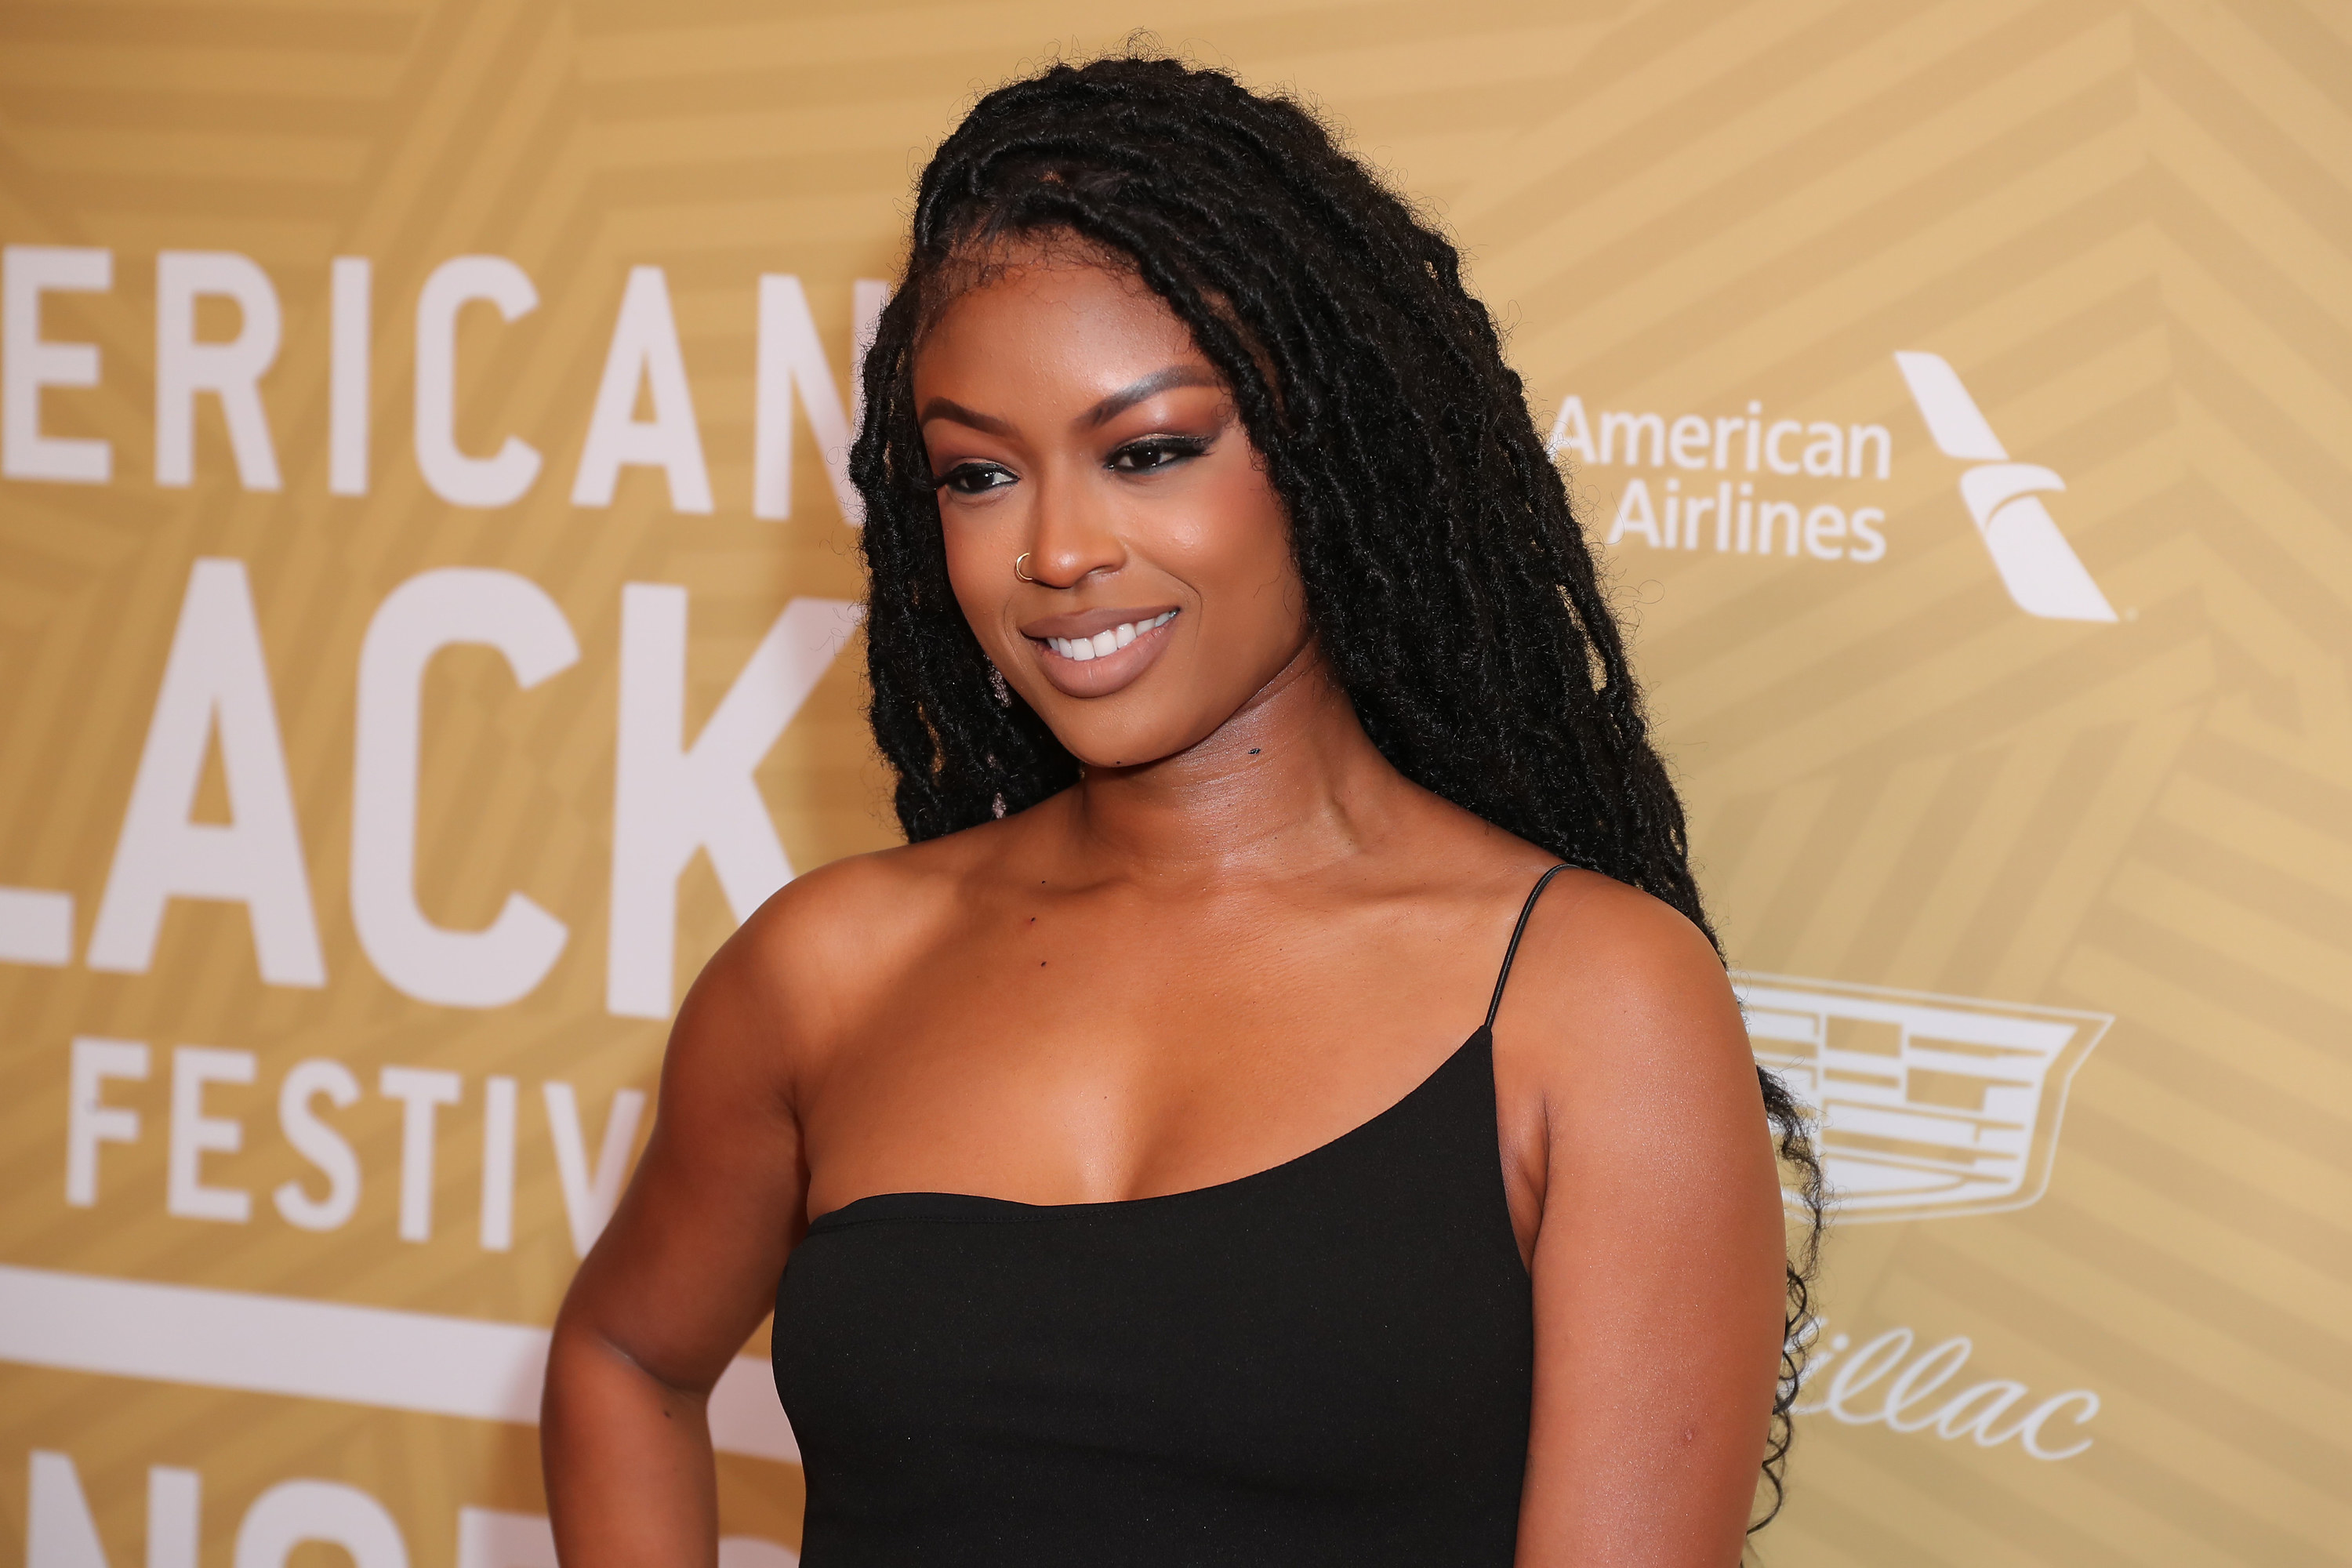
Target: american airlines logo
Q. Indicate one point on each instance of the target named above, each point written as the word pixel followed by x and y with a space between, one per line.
pixel 1759 483
pixel 2037 566
pixel 1925 1106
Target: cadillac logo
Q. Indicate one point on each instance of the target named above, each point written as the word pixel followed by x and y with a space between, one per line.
pixel 1926 1106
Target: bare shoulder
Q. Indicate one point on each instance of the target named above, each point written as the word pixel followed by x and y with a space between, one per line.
pixel 828 944
pixel 1615 993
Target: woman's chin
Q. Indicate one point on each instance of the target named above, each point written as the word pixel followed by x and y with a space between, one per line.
pixel 1136 737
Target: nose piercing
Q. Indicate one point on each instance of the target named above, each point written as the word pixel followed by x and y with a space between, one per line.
pixel 1016 567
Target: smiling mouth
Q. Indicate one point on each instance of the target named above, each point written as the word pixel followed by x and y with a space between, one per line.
pixel 1080 650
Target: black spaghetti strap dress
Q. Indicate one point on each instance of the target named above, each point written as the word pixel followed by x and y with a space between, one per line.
pixel 1329 1361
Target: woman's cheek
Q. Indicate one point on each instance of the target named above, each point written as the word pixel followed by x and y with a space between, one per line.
pixel 983 600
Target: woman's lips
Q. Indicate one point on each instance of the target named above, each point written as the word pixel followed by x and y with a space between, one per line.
pixel 1086 650
pixel 1084 662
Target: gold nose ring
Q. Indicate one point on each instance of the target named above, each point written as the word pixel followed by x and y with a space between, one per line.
pixel 1016 567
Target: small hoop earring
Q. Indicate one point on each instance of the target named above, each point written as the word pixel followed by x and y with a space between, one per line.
pixel 1016 567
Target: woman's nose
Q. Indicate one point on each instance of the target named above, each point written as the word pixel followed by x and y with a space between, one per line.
pixel 1072 535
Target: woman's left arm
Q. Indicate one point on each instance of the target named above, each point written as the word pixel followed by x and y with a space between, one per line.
pixel 1658 1256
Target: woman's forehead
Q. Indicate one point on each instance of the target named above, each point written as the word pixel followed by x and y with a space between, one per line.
pixel 1058 320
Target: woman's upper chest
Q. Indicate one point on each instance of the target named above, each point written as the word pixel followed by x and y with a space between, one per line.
pixel 1089 1047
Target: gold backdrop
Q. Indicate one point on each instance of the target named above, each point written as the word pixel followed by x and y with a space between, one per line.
pixel 1961 394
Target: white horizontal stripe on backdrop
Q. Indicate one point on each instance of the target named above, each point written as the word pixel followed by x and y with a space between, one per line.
pixel 325 1349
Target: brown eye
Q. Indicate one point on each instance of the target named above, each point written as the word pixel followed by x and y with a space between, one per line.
pixel 1158 452
pixel 974 478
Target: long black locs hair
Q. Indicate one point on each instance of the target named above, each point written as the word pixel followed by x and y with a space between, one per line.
pixel 1447 579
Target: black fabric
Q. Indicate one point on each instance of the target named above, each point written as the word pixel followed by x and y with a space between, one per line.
pixel 1330 1362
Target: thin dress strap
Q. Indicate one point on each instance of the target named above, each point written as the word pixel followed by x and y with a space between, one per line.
pixel 1518 931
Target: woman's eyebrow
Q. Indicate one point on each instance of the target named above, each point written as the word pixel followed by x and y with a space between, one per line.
pixel 1151 385
pixel 948 408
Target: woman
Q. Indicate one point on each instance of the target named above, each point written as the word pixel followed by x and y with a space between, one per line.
pixel 1246 680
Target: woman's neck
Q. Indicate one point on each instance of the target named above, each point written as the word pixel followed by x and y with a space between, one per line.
pixel 1286 785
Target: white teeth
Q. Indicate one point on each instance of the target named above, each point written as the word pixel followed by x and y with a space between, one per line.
pixel 1082 649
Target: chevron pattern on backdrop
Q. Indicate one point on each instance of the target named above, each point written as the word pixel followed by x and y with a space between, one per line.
pixel 1943 813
